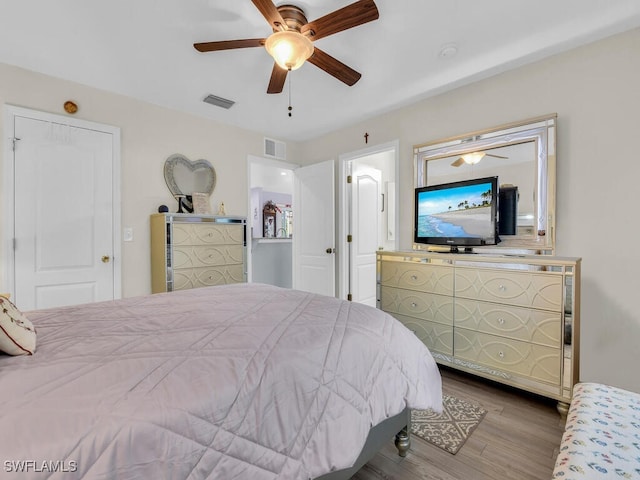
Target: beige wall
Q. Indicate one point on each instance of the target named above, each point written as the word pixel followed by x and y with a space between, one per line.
pixel 149 134
pixel 595 92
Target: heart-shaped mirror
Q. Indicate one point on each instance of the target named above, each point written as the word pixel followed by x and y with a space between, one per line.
pixel 185 177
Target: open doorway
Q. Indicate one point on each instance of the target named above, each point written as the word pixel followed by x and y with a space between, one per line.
pixel 270 222
pixel 305 201
pixel 368 217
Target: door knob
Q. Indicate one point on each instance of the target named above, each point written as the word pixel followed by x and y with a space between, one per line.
pixel 330 250
pixel 105 258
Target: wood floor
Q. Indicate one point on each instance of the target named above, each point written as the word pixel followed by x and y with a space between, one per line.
pixel 517 440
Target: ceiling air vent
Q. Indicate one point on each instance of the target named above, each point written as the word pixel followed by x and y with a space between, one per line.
pixel 275 149
pixel 219 101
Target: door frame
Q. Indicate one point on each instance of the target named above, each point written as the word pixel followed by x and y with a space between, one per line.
pixel 8 186
pixel 344 209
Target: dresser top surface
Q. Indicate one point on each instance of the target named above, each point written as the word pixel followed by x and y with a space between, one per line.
pixel 196 218
pixel 416 256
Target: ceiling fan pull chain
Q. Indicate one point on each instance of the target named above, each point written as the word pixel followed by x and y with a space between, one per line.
pixel 290 107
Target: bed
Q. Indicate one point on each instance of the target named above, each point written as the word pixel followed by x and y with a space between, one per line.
pixel 242 381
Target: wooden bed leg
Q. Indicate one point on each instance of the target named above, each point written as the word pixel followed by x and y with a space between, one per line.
pixel 563 409
pixel 403 441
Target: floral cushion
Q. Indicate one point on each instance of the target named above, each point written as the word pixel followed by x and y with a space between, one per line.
pixel 602 435
pixel 17 334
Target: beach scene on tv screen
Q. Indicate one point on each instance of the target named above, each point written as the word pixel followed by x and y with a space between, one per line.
pixel 463 211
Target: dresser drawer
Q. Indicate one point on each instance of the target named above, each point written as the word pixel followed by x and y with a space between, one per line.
pixel 206 256
pixel 207 234
pixel 527 289
pixel 417 276
pixel 538 326
pixel 537 362
pixel 436 336
pixel 427 306
pixel 207 276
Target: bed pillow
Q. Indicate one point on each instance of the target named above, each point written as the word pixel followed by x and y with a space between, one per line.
pixel 17 334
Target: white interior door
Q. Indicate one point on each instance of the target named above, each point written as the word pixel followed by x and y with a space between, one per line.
pixel 63 214
pixel 384 158
pixel 366 201
pixel 314 229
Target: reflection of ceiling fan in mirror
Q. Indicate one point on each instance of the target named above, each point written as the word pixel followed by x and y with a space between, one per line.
pixel 473 158
pixel 290 44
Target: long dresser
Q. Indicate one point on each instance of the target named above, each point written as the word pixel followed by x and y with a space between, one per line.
pixel 514 319
pixel 190 251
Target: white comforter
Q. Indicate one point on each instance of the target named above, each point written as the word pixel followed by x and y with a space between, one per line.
pixel 241 381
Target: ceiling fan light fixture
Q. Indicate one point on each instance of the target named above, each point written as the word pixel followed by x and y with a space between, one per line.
pixel 473 157
pixel 289 49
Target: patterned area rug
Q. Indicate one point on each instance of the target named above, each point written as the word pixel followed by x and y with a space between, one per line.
pixel 450 429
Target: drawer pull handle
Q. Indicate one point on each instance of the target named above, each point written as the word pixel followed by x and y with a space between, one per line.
pixel 414 304
pixel 501 321
pixel 414 277
pixel 502 288
pixel 501 354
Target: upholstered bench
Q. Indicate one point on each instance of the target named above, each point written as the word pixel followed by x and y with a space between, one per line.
pixel 602 435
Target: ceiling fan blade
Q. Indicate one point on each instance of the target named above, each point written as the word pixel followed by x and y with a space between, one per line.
pixel 228 44
pixel 334 67
pixel 362 11
pixel 496 156
pixel 458 162
pixel 278 77
pixel 270 12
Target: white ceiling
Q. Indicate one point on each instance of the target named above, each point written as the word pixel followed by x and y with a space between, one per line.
pixel 144 49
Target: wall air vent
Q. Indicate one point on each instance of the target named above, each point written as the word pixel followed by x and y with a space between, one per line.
pixel 219 101
pixel 275 149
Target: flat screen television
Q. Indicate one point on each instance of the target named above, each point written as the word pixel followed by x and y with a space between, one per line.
pixel 458 214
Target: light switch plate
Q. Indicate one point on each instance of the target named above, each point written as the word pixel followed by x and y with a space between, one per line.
pixel 127 234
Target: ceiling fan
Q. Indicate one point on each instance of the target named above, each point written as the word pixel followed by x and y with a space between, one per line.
pixel 473 158
pixel 290 44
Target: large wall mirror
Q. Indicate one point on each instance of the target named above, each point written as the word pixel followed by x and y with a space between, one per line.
pixel 522 156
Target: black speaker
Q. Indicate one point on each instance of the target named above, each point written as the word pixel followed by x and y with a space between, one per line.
pixel 507 210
